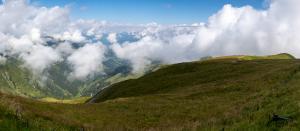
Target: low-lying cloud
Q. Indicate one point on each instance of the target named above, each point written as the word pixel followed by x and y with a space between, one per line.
pixel 25 31
pixel 87 61
pixel 230 31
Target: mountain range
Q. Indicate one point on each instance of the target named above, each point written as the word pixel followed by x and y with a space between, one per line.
pixel 223 93
pixel 54 82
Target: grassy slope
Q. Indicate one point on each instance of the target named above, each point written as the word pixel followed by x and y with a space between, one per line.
pixel 245 57
pixel 77 100
pixel 213 95
pixel 16 80
pixel 186 75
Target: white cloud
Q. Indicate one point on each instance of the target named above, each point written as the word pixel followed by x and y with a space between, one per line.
pixel 86 61
pixel 35 35
pixel 249 31
pixel 26 29
pixel 231 31
pixel 137 53
pixel 39 58
pixel 112 38
pixel 22 27
pixel 65 49
pixel 51 20
pixel 75 36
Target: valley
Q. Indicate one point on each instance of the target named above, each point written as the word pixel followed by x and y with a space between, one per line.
pixel 216 94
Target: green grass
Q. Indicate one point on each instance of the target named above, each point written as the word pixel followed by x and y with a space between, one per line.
pixel 281 56
pixel 78 100
pixel 15 79
pixel 217 94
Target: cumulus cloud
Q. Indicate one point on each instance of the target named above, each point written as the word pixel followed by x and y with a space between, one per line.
pixel 231 31
pixel 112 38
pixel 75 36
pixel 21 33
pixel 87 61
pixel 42 36
pixel 40 58
pixel 65 49
pixel 26 29
pixel 246 30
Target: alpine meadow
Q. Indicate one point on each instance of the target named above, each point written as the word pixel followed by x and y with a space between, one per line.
pixel 153 65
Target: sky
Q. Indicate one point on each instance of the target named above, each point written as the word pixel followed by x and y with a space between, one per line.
pixel 146 11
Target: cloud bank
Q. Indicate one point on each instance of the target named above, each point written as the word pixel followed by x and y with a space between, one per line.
pixel 44 36
pixel 231 31
pixel 27 30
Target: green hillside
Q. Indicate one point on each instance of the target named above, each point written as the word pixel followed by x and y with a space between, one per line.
pixel 182 75
pixel 17 80
pixel 216 94
pixel 247 57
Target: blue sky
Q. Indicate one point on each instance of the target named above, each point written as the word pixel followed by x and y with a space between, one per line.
pixel 145 11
